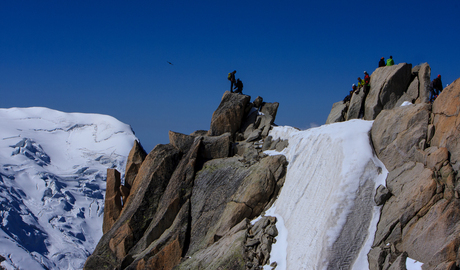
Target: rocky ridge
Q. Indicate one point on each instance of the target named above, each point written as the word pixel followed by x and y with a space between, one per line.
pixel 187 204
pixel 418 143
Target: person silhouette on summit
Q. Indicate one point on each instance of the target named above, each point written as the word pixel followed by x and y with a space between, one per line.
pixel 239 86
pixel 382 62
pixel 231 78
pixel 390 61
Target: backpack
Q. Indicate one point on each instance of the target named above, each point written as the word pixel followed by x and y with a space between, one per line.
pixel 229 77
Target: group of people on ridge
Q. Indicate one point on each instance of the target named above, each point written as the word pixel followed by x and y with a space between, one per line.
pixel 389 62
pixel 362 84
pixel 435 85
pixel 238 83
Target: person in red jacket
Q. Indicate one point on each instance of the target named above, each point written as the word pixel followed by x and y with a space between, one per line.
pixel 367 80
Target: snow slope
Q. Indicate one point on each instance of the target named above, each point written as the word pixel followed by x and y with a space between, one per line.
pixel 326 214
pixel 52 182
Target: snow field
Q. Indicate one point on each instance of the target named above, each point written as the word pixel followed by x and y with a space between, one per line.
pixel 323 177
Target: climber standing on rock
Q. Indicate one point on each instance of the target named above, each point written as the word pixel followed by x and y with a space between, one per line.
pixel 390 61
pixel 382 62
pixel 435 88
pixel 239 86
pixel 231 78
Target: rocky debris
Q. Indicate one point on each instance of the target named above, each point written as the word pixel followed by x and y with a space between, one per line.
pixel 277 144
pixel 193 197
pixel 382 194
pixel 420 219
pixel 259 242
pixel 270 109
pixel 112 203
pixel 257 102
pixel 244 246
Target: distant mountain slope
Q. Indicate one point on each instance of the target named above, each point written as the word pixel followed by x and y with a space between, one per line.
pixel 52 181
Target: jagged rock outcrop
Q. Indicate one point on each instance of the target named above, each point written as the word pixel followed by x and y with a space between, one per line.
pixel 356 105
pixel 387 85
pixel 112 203
pixel 194 196
pixel 389 88
pixel 421 218
pixel 229 114
pixel 397 141
pixel 135 158
pixel 423 75
pixel 337 113
pixel 191 200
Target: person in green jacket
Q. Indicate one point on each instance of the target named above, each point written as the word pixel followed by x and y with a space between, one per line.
pixel 390 61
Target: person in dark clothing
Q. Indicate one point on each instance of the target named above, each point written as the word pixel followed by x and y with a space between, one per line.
pixel 435 88
pixel 348 97
pixel 231 78
pixel 382 62
pixel 239 87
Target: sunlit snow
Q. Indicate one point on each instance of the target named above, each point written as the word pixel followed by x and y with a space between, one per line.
pixel 326 214
pixel 53 167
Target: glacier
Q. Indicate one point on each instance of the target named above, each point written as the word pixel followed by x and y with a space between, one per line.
pixel 52 182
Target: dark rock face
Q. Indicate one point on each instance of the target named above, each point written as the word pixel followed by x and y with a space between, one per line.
pixel 194 196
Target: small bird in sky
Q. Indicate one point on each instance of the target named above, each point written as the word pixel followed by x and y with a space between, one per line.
pixel 170 63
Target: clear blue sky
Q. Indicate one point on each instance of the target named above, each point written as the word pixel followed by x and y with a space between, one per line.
pixel 110 57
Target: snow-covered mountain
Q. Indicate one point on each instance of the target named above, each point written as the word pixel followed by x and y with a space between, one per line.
pixel 52 181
